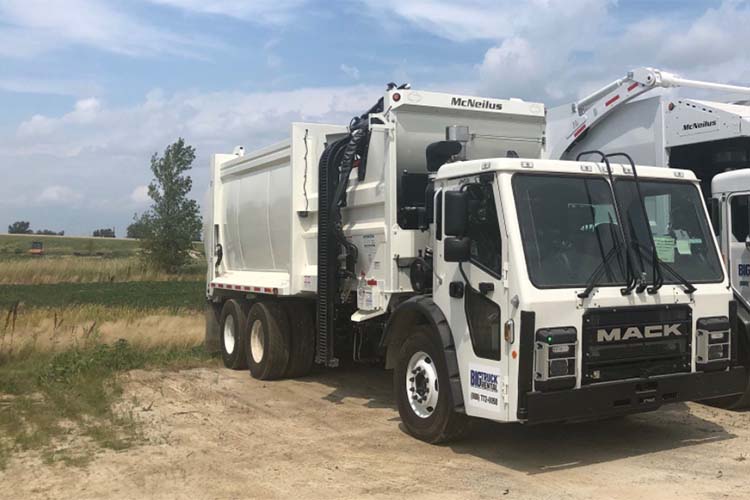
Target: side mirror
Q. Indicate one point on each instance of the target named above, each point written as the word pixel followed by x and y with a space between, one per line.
pixel 714 209
pixel 456 213
pixel 457 249
pixel 438 153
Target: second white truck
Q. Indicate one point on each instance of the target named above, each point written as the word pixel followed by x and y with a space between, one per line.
pixel 429 236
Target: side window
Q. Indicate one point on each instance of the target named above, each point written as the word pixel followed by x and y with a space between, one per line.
pixel 739 216
pixel 483 229
pixel 483 316
pixel 439 215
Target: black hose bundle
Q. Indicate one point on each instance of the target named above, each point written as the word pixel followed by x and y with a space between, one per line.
pixel 342 156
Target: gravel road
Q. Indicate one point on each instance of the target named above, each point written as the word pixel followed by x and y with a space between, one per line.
pixel 214 433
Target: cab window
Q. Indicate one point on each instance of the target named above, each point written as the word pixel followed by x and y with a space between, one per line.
pixel 483 229
pixel 739 216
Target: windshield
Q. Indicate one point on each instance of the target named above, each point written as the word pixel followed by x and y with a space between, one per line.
pixel 678 224
pixel 569 226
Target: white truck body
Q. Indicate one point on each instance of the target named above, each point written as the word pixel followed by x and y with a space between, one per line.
pixel 264 209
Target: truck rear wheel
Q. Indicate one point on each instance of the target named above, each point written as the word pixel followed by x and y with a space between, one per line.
pixel 422 388
pixel 301 338
pixel 268 341
pixel 233 339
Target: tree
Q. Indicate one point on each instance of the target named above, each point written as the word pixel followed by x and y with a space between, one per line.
pixel 49 232
pixel 139 227
pixel 173 219
pixel 104 233
pixel 20 227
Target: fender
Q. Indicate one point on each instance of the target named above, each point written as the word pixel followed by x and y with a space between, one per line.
pixel 420 310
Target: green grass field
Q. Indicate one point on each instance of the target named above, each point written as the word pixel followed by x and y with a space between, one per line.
pixel 141 295
pixel 19 245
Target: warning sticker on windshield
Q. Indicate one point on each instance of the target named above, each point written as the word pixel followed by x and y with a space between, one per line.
pixel 665 248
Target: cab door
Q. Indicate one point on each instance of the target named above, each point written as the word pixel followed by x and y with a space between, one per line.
pixel 474 295
pixel 738 243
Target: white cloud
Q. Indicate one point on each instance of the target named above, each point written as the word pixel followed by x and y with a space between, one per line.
pixel 139 196
pixel 56 195
pixel 259 11
pixel 350 71
pixel 95 153
pixel 463 20
pixel 552 50
pixel 31 27
pixel 49 86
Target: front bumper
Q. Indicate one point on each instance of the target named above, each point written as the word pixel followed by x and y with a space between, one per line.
pixel 630 396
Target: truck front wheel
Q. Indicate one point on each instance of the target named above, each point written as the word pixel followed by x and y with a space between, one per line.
pixel 233 341
pixel 268 341
pixel 421 385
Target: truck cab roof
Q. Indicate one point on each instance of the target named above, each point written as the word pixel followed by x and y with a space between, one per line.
pixel 731 182
pixel 475 167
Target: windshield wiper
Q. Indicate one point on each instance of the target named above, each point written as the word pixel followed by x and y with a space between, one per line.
pixel 618 243
pixel 599 271
pixel 657 280
pixel 657 262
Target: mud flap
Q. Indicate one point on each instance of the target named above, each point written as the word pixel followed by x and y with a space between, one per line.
pixel 212 341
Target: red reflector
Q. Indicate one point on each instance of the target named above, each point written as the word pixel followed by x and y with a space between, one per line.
pixel 580 130
pixel 213 285
pixel 372 282
pixel 632 86
pixel 396 97
pixel 267 290
pixel 612 100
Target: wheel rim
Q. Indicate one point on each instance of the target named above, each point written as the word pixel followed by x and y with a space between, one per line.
pixel 229 334
pixel 256 341
pixel 422 384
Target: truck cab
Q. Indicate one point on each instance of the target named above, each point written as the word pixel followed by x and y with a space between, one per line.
pixel 567 301
pixel 730 211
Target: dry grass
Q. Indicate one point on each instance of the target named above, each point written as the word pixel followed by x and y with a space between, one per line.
pixel 36 330
pixel 59 375
pixel 49 270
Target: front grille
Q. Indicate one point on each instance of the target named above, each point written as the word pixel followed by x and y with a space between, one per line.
pixel 635 342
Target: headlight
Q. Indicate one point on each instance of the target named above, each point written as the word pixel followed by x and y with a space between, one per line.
pixel 555 358
pixel 713 343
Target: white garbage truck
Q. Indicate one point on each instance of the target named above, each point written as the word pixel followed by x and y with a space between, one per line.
pixel 635 115
pixel 429 236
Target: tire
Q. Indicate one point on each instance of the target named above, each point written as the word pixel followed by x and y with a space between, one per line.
pixel 301 339
pixel 233 337
pixel 268 341
pixel 431 417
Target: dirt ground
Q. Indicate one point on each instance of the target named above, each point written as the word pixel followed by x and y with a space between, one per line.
pixel 214 433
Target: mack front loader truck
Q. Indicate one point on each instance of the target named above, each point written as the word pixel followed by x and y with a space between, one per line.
pixel 635 115
pixel 429 236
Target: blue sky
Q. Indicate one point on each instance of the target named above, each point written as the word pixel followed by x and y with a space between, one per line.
pixel 89 89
